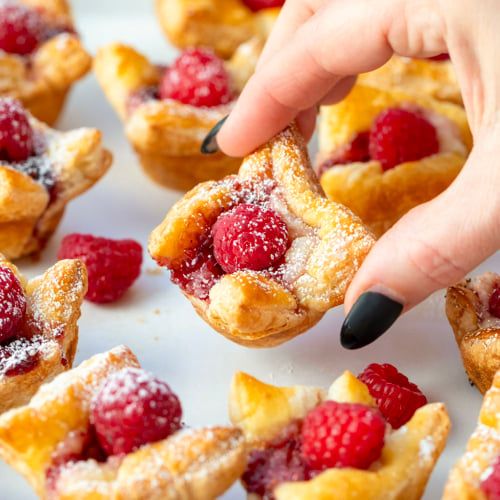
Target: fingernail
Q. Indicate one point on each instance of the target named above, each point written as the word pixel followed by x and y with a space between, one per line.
pixel 209 144
pixel 370 316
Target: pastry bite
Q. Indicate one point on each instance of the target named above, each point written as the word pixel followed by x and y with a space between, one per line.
pixel 222 25
pixel 168 111
pixel 262 255
pixel 476 474
pixel 38 327
pixel 41 55
pixel 473 311
pixel 41 170
pixel 309 443
pixel 109 429
pixel 381 153
pixel 432 77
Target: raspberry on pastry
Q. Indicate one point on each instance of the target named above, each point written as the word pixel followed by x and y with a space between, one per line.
pixel 472 309
pixel 222 25
pixel 41 56
pixel 262 255
pixel 307 443
pixel 381 152
pixel 476 474
pixel 168 111
pixel 38 327
pixel 41 170
pixel 96 432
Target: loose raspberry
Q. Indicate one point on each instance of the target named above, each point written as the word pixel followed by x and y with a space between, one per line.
pixel 256 5
pixel 491 484
pixel 398 136
pixel 16 134
pixel 133 408
pixel 342 435
pixel 112 265
pixel 12 303
pixel 494 303
pixel 21 28
pixel 249 237
pixel 396 397
pixel 197 77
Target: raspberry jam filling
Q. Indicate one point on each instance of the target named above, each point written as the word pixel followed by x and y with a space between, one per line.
pixel 256 5
pixel 19 355
pixel 490 482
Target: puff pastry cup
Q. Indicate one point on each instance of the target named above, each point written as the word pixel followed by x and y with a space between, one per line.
pixel 42 79
pixel 381 197
pixel 31 211
pixel 193 464
pixel 481 453
pixel 165 134
pixel 326 245
pixel 222 25
pixel 429 77
pixel 45 343
pixel 408 457
pixel 476 329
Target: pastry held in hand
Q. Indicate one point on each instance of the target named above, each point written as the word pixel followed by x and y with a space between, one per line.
pixel 52 442
pixel 381 152
pixel 321 244
pixel 273 419
pixel 43 341
pixel 473 310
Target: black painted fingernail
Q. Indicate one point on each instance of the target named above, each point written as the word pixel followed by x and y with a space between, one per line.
pixel 209 144
pixel 371 316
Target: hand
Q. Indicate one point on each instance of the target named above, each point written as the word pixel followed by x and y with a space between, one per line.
pixel 311 56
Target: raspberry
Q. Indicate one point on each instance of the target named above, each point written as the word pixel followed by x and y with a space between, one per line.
pixel 197 77
pixel 491 484
pixel 342 435
pixel 398 136
pixel 396 397
pixel 256 5
pixel 112 265
pixel 21 28
pixel 249 237
pixel 12 303
pixel 16 134
pixel 494 303
pixel 133 408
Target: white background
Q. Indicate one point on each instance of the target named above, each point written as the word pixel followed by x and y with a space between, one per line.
pixel 159 324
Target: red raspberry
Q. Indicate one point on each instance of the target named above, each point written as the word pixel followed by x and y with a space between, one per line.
pixel 491 484
pixel 197 77
pixel 494 303
pixel 256 5
pixel 21 28
pixel 16 134
pixel 342 435
pixel 12 303
pixel 133 408
pixel 396 397
pixel 112 265
pixel 398 135
pixel 249 237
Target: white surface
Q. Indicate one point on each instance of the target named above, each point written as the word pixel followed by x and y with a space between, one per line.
pixel 160 325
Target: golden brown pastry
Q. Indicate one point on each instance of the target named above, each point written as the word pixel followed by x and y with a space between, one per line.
pixel 35 191
pixel 42 78
pixel 423 77
pixel 43 341
pixel 472 308
pixel 381 194
pixel 270 416
pixel 467 478
pixel 166 134
pixel 48 442
pixel 309 247
pixel 220 24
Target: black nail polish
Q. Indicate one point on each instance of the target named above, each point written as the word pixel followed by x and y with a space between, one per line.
pixel 209 144
pixel 371 316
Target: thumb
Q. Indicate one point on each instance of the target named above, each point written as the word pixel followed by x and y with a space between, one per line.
pixel 433 246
